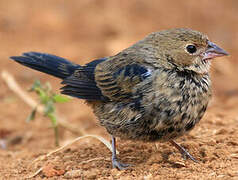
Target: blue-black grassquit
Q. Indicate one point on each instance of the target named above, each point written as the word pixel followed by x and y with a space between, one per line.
pixel 155 90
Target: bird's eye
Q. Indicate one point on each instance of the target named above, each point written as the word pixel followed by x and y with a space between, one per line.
pixel 191 49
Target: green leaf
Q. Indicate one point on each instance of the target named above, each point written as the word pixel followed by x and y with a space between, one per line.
pixel 61 99
pixel 49 108
pixel 32 115
pixel 42 94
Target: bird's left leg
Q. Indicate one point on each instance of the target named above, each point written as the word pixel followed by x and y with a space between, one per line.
pixel 115 162
pixel 184 152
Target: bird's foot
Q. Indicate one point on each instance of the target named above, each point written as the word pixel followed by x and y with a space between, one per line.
pixel 185 154
pixel 118 165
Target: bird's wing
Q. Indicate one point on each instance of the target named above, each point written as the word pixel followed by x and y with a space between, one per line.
pixel 117 77
pixel 81 83
pixel 106 79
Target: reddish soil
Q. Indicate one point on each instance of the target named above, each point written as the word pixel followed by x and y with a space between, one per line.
pixel 84 30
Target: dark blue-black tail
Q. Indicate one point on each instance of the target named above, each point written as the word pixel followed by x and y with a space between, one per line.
pixel 79 80
pixel 50 64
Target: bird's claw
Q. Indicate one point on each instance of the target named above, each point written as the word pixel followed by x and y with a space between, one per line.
pixel 118 165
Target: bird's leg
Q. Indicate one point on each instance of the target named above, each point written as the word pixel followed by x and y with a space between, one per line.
pixel 115 162
pixel 184 152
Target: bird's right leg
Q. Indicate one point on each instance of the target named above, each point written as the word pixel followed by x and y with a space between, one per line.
pixel 115 162
pixel 185 154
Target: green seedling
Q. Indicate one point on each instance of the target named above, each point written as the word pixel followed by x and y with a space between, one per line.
pixel 48 99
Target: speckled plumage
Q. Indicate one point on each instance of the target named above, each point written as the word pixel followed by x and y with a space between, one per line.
pixel 165 106
pixel 157 89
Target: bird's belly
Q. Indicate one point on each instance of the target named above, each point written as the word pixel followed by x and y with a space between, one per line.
pixel 169 126
pixel 171 119
pixel 160 123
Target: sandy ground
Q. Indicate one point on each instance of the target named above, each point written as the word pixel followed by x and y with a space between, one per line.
pixel 85 30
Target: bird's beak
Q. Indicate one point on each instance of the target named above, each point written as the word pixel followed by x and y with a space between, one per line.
pixel 214 51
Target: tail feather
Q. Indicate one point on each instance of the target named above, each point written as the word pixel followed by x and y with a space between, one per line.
pixel 47 63
pixel 79 80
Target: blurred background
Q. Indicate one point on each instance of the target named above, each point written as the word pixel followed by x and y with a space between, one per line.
pixel 85 30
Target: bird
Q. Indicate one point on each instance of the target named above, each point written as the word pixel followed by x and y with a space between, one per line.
pixel 158 89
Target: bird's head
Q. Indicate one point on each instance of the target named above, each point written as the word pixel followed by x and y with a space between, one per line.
pixel 185 49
